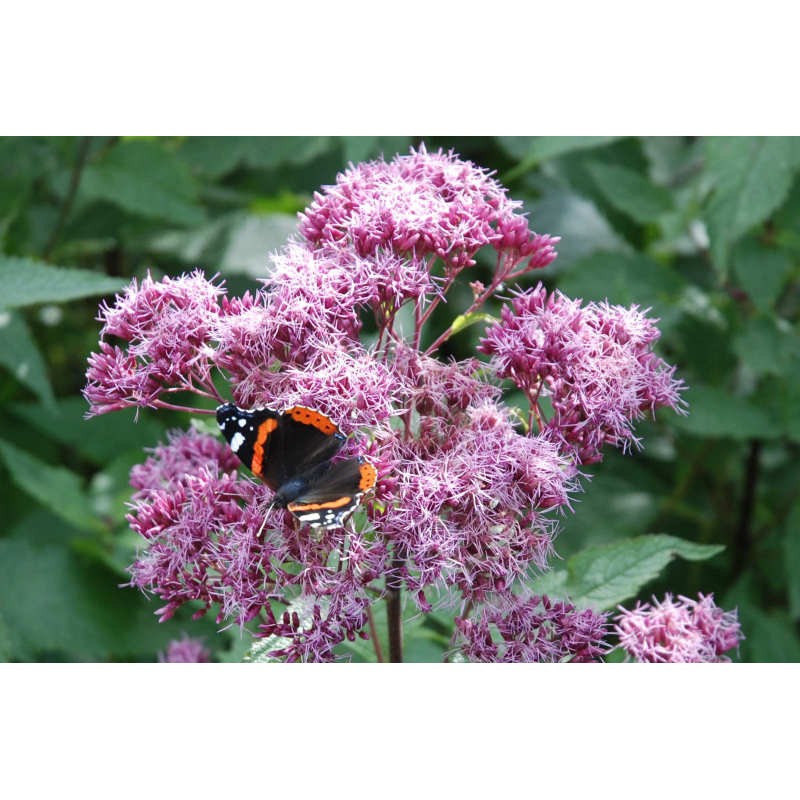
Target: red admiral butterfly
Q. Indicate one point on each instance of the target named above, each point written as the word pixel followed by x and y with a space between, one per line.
pixel 291 452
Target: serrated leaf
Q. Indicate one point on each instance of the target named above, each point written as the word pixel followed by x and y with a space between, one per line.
pixel 24 282
pixel 630 192
pixel 769 637
pixel 531 150
pixel 579 223
pixel 217 156
pixel 752 177
pixel 602 576
pixel 56 488
pixel 714 412
pixel 250 240
pixel 625 279
pixel 761 271
pixel 143 178
pixel 20 353
pixel 768 346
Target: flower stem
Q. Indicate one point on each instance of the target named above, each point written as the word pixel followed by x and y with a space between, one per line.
pixel 394 613
pixel 72 190
pixel 744 530
pixel 373 634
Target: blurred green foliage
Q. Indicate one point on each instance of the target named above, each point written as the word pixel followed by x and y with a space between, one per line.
pixel 705 231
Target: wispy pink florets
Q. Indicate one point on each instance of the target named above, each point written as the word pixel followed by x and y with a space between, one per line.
pixel 468 501
pixel 594 362
pixel 533 629
pixel 422 204
pixel 165 327
pixel 678 631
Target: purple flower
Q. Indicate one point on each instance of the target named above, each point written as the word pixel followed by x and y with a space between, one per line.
pixel 594 362
pixel 467 494
pixel 186 650
pixel 678 631
pixel 423 204
pixel 166 327
pixel 533 629
pixel 469 501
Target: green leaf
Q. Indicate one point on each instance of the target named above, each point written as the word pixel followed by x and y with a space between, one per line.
pixel 24 282
pixel 361 148
pixel 752 177
pixel 714 412
pixel 260 649
pixel 143 178
pixel 100 439
pixel 57 604
pixel 761 271
pixel 251 237
pixel 532 150
pixel 768 346
pixel 791 551
pixel 770 636
pixel 56 488
pixel 625 279
pixel 20 353
pixel 779 397
pixel 577 220
pixel 630 193
pixel 602 576
pixel 612 505
pixel 217 156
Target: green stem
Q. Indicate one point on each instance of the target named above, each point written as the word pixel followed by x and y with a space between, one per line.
pixel 69 199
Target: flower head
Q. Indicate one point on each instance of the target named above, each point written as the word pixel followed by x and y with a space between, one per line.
pixel 165 327
pixel 186 650
pixel 594 362
pixel 678 631
pixel 533 629
pixel 422 204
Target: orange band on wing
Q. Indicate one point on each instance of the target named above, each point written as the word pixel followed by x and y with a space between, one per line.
pixel 369 475
pixel 342 501
pixel 264 430
pixel 309 417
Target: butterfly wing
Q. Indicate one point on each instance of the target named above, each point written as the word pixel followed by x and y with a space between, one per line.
pixel 278 447
pixel 332 497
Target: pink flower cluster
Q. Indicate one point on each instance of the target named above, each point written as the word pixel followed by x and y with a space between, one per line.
pixel 595 364
pixel 533 629
pixel 425 204
pixel 678 631
pixel 465 498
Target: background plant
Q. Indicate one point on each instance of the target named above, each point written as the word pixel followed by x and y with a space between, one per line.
pixel 705 230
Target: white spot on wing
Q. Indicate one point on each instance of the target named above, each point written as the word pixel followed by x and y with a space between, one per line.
pixel 237 440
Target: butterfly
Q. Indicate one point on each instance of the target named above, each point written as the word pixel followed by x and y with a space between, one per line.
pixel 291 452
